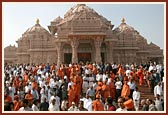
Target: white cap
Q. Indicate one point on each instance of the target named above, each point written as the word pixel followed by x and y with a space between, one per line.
pixel 60 81
pixel 65 77
pixel 70 65
pixel 52 98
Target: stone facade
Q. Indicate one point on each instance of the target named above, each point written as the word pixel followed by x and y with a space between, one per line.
pixel 10 54
pixel 84 35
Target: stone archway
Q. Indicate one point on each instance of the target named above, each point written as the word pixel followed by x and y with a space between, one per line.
pixel 85 52
pixel 67 53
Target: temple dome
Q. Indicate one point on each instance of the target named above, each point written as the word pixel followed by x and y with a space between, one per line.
pixel 83 12
pixel 77 9
pixel 124 28
pixel 37 28
pixel 57 20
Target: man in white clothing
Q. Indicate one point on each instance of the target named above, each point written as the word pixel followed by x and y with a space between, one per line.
pixel 85 84
pixel 87 103
pixel 53 106
pixel 73 107
pixel 158 90
pixel 121 104
pixel 11 91
pixel 35 105
pixel 136 98
pixel 57 99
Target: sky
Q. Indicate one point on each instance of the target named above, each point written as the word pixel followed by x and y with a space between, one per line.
pixel 148 19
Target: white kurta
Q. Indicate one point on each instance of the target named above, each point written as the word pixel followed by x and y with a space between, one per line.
pixel 88 104
pixel 158 90
pixel 136 99
pixel 53 107
pixel 35 108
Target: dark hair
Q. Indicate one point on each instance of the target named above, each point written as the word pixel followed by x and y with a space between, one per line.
pixel 35 101
pixel 110 100
pixel 25 101
pixel 122 98
pixel 7 106
pixel 150 100
pixel 136 88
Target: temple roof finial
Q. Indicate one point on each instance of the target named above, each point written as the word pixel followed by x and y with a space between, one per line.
pixel 123 20
pixel 37 21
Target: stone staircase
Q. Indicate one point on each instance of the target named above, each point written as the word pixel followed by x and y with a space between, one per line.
pixel 145 92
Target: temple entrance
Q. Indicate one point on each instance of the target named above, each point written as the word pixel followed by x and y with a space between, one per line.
pixel 67 58
pixel 84 57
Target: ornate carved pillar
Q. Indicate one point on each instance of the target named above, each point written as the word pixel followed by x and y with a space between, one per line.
pixel 74 44
pixel 59 47
pixel 97 43
pixel 110 45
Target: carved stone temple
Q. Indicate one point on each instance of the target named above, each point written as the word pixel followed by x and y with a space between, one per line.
pixel 82 35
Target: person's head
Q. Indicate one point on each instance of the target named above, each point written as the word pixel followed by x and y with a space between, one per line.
pixel 7 106
pixel 70 87
pixel 44 99
pixel 117 79
pixel 80 104
pixel 121 102
pixel 24 103
pixel 97 96
pixel 109 100
pixel 53 101
pixel 126 82
pixel 136 89
pixel 150 102
pixel 16 97
pixel 143 102
pixel 73 104
pixel 29 91
pixel 159 83
pixel 87 96
pixel 35 102
pixel 158 96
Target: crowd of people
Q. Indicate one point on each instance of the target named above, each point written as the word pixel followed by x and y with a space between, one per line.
pixel 83 87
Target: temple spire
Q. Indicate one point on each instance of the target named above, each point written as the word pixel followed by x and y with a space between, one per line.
pixel 123 20
pixel 37 21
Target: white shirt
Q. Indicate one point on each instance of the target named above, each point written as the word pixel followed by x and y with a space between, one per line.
pixel 11 92
pixel 87 104
pixel 35 108
pixel 91 80
pixel 25 109
pixel 57 100
pixel 158 105
pixel 42 92
pixel 104 77
pixel 157 90
pixel 118 84
pixel 131 85
pixel 136 95
pixel 73 108
pixel 85 86
pixel 119 109
pixel 114 66
pixel 53 107
pixel 41 83
pixel 151 68
pixel 128 72
pixel 99 76
pixel 87 71
pixel 64 104
pixel 27 88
